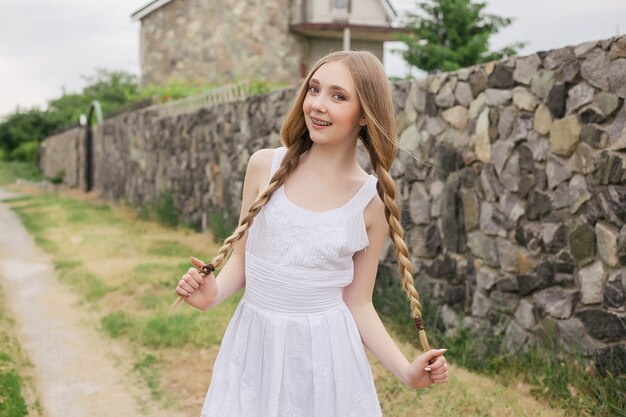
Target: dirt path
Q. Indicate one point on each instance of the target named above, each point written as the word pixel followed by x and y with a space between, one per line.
pixel 78 374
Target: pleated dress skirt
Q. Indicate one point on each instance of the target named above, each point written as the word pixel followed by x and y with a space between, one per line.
pixel 292 357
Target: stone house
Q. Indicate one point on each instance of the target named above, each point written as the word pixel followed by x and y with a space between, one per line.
pixel 273 40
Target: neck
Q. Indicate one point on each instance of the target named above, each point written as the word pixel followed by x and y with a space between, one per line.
pixel 331 159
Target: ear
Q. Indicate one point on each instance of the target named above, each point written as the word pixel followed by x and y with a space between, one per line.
pixel 363 120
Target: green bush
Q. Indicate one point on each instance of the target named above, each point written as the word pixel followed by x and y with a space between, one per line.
pixel 58 178
pixel 11 170
pixel 165 210
pixel 26 152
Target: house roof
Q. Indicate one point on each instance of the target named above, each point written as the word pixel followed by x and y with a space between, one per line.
pixel 358 32
pixel 157 4
pixel 148 8
pixel 389 9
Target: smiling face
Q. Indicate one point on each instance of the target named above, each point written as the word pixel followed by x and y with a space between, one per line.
pixel 332 111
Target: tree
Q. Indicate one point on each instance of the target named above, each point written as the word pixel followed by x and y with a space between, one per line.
pixel 22 131
pixel 113 89
pixel 453 34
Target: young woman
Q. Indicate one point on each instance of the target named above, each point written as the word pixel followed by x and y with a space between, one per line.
pixel 309 240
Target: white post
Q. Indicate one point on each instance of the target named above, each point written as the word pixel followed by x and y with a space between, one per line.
pixel 346 38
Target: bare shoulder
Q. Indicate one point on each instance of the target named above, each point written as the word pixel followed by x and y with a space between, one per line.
pixel 259 166
pixel 261 159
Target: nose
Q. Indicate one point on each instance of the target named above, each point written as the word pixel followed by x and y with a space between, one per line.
pixel 318 104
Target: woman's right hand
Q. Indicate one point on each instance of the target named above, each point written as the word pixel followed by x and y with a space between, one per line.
pixel 198 290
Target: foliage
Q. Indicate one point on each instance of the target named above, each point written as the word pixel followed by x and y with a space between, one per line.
pixel 26 127
pixel 11 170
pixel 162 209
pixel 113 89
pixel 452 34
pixel 22 131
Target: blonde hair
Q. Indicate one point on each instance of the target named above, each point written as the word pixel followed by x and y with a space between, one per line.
pixel 379 139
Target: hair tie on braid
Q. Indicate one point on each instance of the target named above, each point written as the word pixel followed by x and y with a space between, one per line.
pixel 419 323
pixel 207 268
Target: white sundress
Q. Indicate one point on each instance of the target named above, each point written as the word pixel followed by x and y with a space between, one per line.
pixel 292 347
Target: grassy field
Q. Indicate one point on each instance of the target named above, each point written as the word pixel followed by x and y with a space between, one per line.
pixel 125 268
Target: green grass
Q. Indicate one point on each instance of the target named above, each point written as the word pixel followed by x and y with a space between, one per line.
pixel 91 286
pixel 12 403
pixel 13 363
pixel 169 248
pixel 148 368
pixel 188 328
pixel 564 381
pixel 11 170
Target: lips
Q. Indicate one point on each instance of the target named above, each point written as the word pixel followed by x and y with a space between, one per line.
pixel 320 122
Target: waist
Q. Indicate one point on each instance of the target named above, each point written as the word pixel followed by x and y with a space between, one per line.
pixel 284 290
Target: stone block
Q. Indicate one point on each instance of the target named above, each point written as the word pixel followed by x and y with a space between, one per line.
pixel 603 325
pixel 614 292
pixel 565 135
pixel 525 315
pixel 595 69
pixel 574 338
pixel 483 247
pixel 542 82
pixel 556 301
pixel 543 120
pixel 516 338
pixel 592 279
pixel 525 68
pixel 607 238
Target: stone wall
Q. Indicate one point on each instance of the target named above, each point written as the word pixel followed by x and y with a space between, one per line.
pixel 196 40
pixel 513 184
pixel 59 157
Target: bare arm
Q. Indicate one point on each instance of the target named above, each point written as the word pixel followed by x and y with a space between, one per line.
pixel 358 298
pixel 232 275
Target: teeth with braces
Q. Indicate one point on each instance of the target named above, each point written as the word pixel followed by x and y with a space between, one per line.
pixel 317 122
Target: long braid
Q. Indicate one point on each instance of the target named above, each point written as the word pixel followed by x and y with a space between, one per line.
pixel 289 163
pixel 387 191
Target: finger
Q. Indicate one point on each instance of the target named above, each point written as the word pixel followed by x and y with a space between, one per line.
pixel 196 277
pixel 190 281
pixel 432 354
pixel 182 292
pixel 441 371
pixel 439 377
pixel 196 262
pixel 438 363
pixel 185 286
pixel 441 381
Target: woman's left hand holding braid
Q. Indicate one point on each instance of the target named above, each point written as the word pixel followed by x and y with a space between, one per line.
pixel 427 369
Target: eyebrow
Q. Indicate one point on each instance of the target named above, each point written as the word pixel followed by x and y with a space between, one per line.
pixel 332 87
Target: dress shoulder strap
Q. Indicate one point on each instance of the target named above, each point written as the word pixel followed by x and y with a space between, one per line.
pixel 365 194
pixel 278 157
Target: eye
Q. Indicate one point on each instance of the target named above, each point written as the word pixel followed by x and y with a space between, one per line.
pixel 339 96
pixel 312 89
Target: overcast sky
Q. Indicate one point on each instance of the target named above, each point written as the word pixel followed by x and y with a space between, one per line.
pixel 48 45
